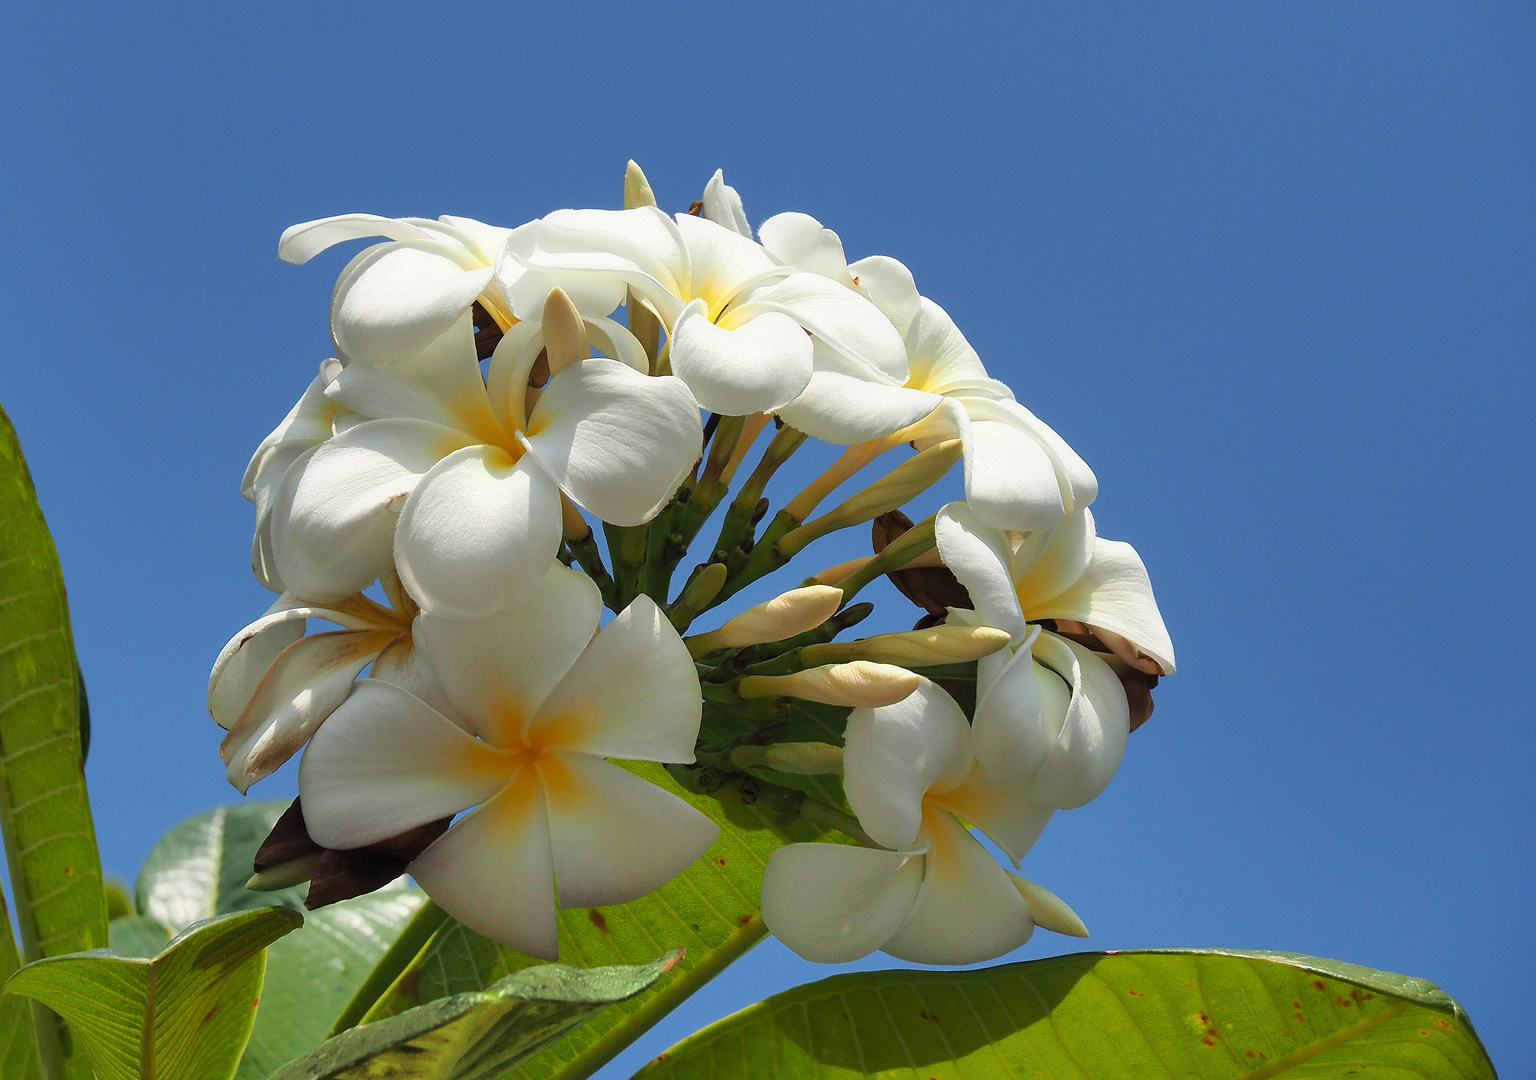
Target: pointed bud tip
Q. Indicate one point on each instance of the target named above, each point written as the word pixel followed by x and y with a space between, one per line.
pixel 637 189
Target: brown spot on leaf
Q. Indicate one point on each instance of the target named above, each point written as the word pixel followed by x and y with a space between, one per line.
pixel 1248 1053
pixel 207 1016
pixel 1317 984
pixel 719 862
pixel 596 918
pixel 1208 1041
pixel 742 920
pixel 932 1018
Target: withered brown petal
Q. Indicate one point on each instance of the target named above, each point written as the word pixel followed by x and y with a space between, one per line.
pixel 341 875
pixel 538 375
pixel 1076 631
pixel 412 842
pixel 933 588
pixel 288 840
pixel 1138 695
pixel 488 331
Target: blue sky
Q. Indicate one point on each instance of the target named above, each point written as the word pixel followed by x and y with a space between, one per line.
pixel 1267 266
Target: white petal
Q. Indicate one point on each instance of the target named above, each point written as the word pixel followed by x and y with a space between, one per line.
pixel 614 340
pixel 722 262
pixel 722 205
pixel 401 664
pixel 336 534
pixel 498 671
pixel 594 255
pixel 938 355
pixel 494 872
pixel 478 533
pixel 634 693
pixel 1083 759
pixel 307 424
pixel 1045 564
pixel 974 553
pixel 1004 812
pixel 617 441
pixel 846 409
pixel 488 239
pixel 896 753
pixel 832 903
pixel 441 384
pixel 615 836
pixel 1020 708
pixel 394 300
pixel 303 685
pixel 759 367
pixel 302 242
pixel 1078 484
pixel 888 285
pixel 967 910
pixel 386 762
pixel 245 658
pixel 1010 481
pixel 800 241
pixel 1114 592
pixel 844 320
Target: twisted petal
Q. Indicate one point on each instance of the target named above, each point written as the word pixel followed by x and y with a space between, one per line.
pixel 833 903
pixel 849 324
pixel 967 910
pixel 619 442
pixel 307 424
pixel 594 255
pixel 306 681
pixel 846 409
pixel 615 836
pixel 722 205
pixel 722 262
pixel 978 557
pixel 246 657
pixel 1115 593
pixel 1020 708
pixel 1044 564
pixel 394 300
pixel 895 753
pixel 1085 754
pixel 1004 812
pixel 634 692
pixel 494 870
pixel 1010 481
pixel 887 284
pixel 1079 486
pixel 333 532
pixel 478 533
pixel 302 242
pixel 498 671
pixel 940 360
pixel 385 762
pixel 759 367
pixel 799 240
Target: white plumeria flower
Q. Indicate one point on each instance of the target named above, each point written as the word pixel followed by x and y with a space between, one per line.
pixel 1019 473
pixel 475 467
pixel 745 332
pixel 394 299
pixel 1050 711
pixel 312 420
pixel 937 896
pixel 544 702
pixel 272 685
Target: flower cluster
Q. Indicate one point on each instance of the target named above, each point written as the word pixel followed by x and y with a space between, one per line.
pixel 499 399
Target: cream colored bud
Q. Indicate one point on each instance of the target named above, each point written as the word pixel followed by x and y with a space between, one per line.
pixel 797 758
pixel 859 685
pixel 1047 909
pixel 637 189
pixel 565 334
pixel 285 875
pixel 913 648
pixel 906 481
pixel 784 616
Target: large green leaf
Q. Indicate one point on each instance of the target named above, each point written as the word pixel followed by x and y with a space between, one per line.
pixel 480 1034
pixel 18 1048
pixel 183 1015
pixel 45 818
pixel 199 869
pixel 1105 1016
pixel 711 909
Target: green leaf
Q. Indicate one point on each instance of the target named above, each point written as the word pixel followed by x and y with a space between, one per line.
pixel 480 1034
pixel 45 817
pixel 711 909
pixel 1207 1013
pixel 184 1015
pixel 313 973
pixel 199 869
pixel 18 1048
pixel 137 935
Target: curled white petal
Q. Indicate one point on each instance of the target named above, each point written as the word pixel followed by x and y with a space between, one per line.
pixel 832 903
pixel 722 205
pixel 759 367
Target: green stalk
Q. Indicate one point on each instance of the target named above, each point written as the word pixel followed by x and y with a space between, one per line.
pixel 679 990
pixel 406 947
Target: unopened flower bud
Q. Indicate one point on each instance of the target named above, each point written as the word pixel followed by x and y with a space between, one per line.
pixel 799 759
pixel 637 189
pixel 1047 909
pixel 702 587
pixel 859 685
pixel 285 875
pixel 565 334
pixel 906 481
pixel 914 648
pixel 784 616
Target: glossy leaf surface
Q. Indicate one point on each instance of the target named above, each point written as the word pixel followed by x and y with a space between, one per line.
pixel 711 909
pixel 1121 1016
pixel 186 1013
pixel 478 1035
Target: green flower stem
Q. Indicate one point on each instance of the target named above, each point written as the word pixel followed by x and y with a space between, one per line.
pixel 590 558
pixel 626 547
pixel 413 936
pixel 663 549
pixel 744 511
pixel 608 1047
pixel 763 558
pixel 698 591
pixel 902 550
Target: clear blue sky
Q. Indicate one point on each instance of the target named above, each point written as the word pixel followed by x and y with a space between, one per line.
pixel 1267 266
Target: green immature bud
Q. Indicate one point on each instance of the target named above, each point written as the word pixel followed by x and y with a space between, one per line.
pixel 285 875
pixel 914 648
pixel 796 758
pixel 696 595
pixel 784 616
pixel 859 685
pixel 906 481
pixel 637 189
